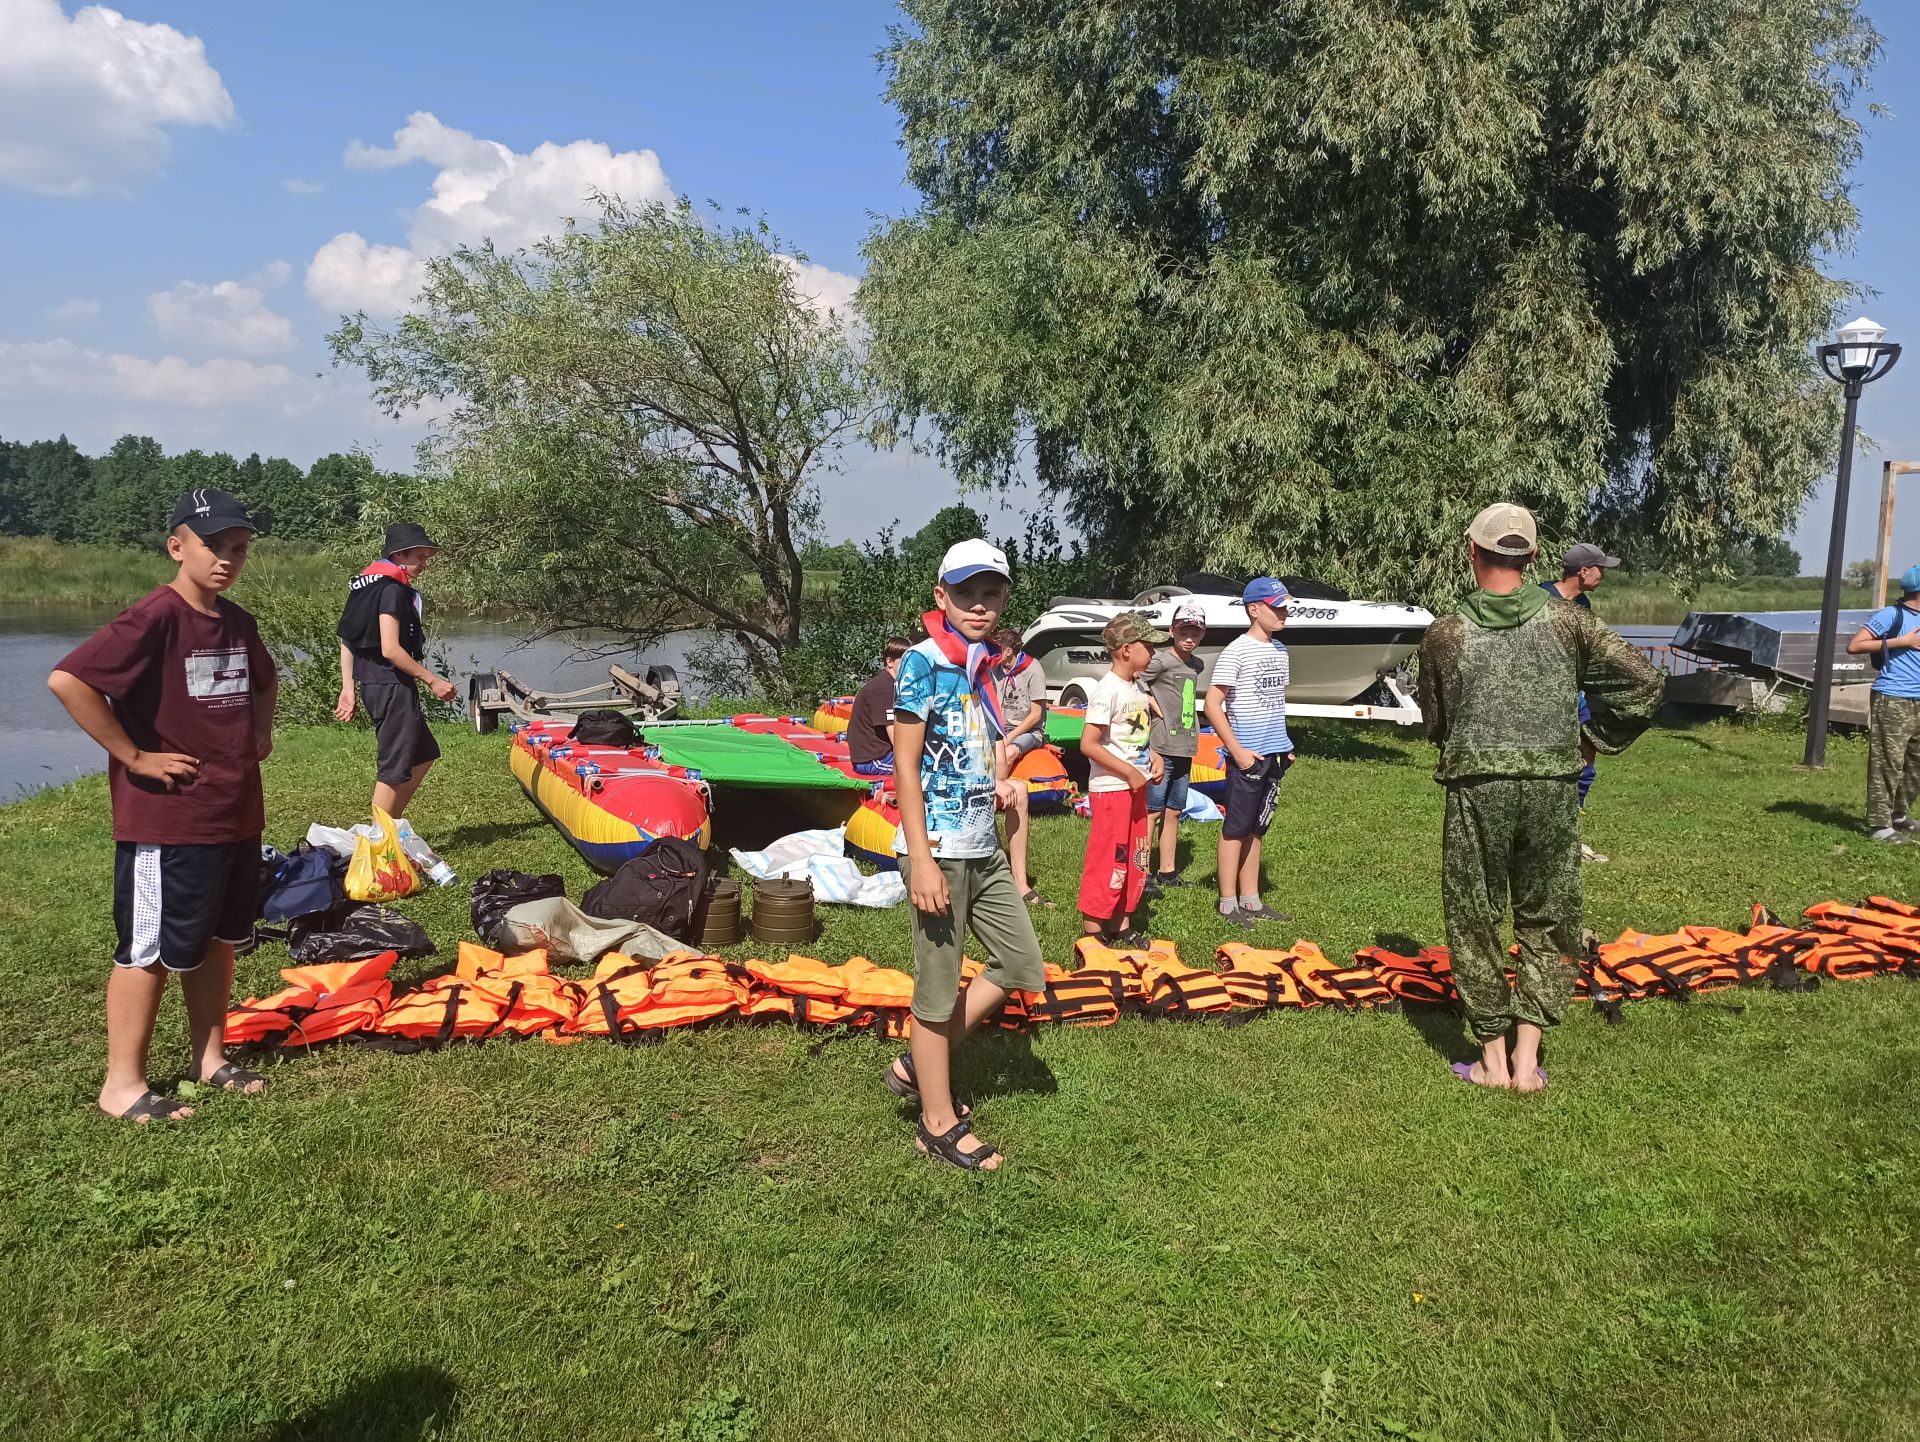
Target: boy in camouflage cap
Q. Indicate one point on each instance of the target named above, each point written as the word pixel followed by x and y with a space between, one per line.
pixel 1498 680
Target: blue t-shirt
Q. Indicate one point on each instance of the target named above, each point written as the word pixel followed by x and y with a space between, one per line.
pixel 956 765
pixel 1579 597
pixel 1254 675
pixel 1901 675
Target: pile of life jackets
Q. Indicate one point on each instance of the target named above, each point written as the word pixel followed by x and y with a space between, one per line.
pixel 490 995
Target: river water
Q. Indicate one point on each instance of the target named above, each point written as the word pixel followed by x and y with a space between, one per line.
pixel 40 746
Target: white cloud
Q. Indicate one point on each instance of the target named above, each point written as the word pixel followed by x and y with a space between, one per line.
pixel 294 185
pixel 481 190
pixel 79 308
pixel 220 404
pixel 230 315
pixel 829 292
pixel 85 101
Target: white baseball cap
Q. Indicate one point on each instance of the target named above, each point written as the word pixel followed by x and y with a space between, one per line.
pixel 1189 612
pixel 971 558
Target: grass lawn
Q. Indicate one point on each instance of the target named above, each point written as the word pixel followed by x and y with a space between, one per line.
pixel 1299 1228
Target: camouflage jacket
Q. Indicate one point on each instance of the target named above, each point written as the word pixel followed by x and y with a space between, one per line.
pixel 1504 700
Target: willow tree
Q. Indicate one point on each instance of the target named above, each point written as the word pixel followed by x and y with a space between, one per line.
pixel 635 415
pixel 1300 287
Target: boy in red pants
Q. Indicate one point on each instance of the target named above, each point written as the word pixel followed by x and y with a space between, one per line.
pixel 1120 767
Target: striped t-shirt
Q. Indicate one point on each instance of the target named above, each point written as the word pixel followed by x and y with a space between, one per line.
pixel 1254 676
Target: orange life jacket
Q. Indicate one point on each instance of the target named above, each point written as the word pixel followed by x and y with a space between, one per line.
pixel 1675 964
pixel 322 1002
pixel 1894 936
pixel 1426 976
pixel 1335 983
pixel 1012 1015
pixel 1175 989
pixel 447 1009
pixel 1259 978
pixel 1078 998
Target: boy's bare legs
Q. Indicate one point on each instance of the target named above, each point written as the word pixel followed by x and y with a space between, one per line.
pixel 1017 833
pixel 1524 1074
pixel 133 1004
pixel 1250 866
pixel 1231 848
pixel 932 1046
pixel 208 989
pixel 1169 841
pixel 392 797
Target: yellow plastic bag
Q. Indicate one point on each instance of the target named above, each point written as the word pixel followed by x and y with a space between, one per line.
pixel 380 870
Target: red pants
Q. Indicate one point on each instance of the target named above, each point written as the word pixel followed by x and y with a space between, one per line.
pixel 1116 866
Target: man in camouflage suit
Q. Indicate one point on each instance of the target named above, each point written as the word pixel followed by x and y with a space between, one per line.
pixel 1498 680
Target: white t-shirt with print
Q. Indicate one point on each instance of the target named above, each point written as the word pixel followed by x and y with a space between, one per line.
pixel 1121 707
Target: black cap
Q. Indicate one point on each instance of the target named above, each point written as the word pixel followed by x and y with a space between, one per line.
pixel 207 513
pixel 405 535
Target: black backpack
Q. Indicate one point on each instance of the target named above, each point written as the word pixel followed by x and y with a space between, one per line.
pixel 498 892
pixel 604 728
pixel 662 886
pixel 307 880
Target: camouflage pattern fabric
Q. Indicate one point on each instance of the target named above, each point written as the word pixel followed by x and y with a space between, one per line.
pixel 1503 702
pixel 1893 758
pixel 1518 839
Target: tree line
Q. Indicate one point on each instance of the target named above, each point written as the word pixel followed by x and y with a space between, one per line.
pixel 124 496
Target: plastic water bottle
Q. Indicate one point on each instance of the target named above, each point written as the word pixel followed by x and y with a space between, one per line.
pixel 422 855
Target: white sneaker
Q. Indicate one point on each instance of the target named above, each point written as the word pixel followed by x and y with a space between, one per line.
pixel 1587 853
pixel 1905 823
pixel 1888 834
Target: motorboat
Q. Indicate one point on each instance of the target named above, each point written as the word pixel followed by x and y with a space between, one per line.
pixel 1348 656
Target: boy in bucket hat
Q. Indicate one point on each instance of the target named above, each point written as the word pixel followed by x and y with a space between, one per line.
pixel 1891 639
pixel 1498 680
pixel 383 646
pixel 1247 703
pixel 1121 766
pixel 179 692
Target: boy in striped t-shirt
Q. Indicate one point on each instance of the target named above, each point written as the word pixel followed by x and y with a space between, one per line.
pixel 1247 704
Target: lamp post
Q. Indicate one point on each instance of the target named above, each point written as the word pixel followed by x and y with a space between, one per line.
pixel 1860 356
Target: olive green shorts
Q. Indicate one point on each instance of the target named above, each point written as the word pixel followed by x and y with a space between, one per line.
pixel 982 899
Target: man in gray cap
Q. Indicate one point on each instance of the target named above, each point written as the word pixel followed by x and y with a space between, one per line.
pixel 1582 569
pixel 1498 681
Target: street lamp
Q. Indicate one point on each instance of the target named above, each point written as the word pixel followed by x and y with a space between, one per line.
pixel 1860 356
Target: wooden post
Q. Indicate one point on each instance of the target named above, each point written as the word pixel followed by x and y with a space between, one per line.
pixel 1883 567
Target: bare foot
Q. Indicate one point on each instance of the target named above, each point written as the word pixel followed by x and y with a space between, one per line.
pixel 1531 1079
pixel 1491 1070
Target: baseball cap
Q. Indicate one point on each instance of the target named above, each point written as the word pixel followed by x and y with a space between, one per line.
pixel 1587 554
pixel 1505 529
pixel 1131 626
pixel 207 513
pixel 405 535
pixel 1910 580
pixel 970 558
pixel 1264 588
pixel 1189 612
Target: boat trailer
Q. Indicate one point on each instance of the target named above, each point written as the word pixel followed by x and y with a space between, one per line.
pixel 654 696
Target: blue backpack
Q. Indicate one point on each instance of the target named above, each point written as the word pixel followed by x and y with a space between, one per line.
pixel 308 880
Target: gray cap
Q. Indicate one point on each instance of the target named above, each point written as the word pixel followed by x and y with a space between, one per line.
pixel 1587 554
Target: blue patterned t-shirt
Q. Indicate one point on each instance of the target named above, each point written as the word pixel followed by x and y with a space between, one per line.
pixel 956 765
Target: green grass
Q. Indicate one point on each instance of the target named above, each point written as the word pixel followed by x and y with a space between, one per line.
pixel 1652 600
pixel 1300 1228
pixel 35 571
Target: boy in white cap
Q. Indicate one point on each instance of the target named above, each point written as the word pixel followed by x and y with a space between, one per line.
pixel 947 718
pixel 1891 638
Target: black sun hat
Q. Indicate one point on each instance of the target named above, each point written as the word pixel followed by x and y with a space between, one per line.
pixel 405 535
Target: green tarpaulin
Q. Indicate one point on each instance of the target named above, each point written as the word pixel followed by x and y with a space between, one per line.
pixel 728 756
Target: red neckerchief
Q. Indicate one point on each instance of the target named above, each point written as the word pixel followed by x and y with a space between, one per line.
pixel 392 572
pixel 976 659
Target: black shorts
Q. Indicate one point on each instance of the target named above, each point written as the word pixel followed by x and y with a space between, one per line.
pixel 170 901
pixel 400 726
pixel 1251 794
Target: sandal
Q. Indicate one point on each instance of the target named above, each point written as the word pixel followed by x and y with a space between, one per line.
pixel 1129 940
pixel 1032 897
pixel 908 1090
pixel 231 1078
pixel 152 1108
pixel 946 1146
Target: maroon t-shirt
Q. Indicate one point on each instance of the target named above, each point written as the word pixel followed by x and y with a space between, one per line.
pixel 184 681
pixel 867 739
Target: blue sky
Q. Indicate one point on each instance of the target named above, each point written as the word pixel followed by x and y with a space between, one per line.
pixel 181 237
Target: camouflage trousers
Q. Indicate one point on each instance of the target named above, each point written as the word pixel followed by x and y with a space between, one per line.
pixel 1511 839
pixel 1893 758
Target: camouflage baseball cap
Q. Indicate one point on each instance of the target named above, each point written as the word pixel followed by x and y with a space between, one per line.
pixel 1130 626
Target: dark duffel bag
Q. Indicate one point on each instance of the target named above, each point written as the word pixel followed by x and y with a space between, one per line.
pixel 603 728
pixel 662 886
pixel 498 892
pixel 308 879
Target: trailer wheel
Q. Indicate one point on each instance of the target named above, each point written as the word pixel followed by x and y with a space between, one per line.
pixel 1072 696
pixel 485 720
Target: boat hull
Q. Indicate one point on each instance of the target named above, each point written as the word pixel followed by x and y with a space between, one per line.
pixel 621 819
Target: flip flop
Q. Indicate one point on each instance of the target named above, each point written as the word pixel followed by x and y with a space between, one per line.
pixel 1032 897
pixel 152 1107
pixel 231 1078
pixel 1464 1070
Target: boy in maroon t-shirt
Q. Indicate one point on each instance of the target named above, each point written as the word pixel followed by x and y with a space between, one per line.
pixel 180 691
